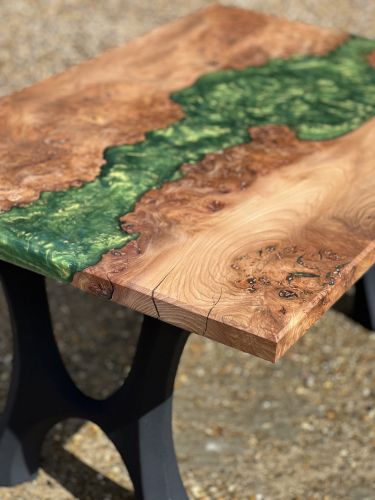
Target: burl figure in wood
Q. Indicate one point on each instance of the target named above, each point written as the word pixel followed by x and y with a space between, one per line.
pixel 237 197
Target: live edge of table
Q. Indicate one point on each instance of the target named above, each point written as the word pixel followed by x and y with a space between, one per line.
pixel 266 216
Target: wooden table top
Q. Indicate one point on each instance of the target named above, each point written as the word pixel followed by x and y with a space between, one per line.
pixel 236 198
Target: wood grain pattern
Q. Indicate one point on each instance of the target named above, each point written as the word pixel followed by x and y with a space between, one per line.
pixel 258 273
pixel 247 246
pixel 53 134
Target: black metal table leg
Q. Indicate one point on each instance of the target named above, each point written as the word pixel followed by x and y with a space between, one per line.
pixel 137 417
pixel 364 302
pixel 143 432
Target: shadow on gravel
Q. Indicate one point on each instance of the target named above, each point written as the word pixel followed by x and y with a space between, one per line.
pixel 81 480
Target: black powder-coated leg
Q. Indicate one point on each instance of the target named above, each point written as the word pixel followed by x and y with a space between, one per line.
pixel 40 388
pixel 143 432
pixel 137 417
pixel 364 302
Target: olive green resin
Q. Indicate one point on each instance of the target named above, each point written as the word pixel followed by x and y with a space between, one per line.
pixel 318 97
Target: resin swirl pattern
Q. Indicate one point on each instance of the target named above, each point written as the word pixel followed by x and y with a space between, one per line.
pixel 319 97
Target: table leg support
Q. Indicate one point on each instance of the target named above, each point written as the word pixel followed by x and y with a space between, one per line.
pixel 40 387
pixel 143 434
pixel 137 417
pixel 364 302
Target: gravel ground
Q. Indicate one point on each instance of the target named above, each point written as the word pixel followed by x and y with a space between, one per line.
pixel 244 429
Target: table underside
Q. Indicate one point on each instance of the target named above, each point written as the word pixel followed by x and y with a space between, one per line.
pixel 236 196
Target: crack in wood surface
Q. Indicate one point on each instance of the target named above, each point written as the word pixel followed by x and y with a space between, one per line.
pixel 210 311
pixel 112 287
pixel 157 286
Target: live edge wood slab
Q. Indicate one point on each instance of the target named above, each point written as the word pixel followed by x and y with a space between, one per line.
pixel 236 198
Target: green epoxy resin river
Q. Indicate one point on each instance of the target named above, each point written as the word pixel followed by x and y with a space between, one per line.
pixel 318 97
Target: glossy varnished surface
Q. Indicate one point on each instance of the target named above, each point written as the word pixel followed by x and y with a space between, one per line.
pixel 254 184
